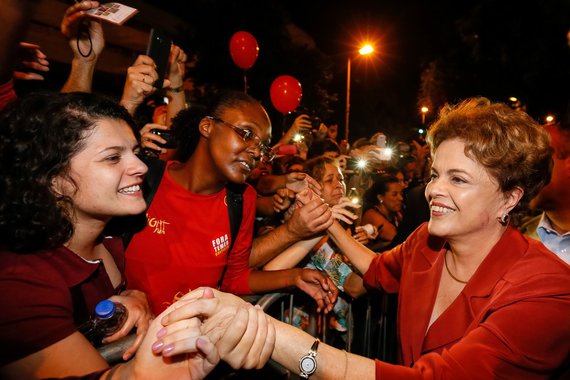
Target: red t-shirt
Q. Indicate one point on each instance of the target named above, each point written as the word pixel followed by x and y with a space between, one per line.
pixel 37 299
pixel 185 245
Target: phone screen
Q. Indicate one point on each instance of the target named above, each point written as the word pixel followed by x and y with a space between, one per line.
pixel 159 49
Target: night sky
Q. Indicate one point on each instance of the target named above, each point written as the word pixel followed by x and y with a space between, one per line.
pixel 492 48
pixel 520 49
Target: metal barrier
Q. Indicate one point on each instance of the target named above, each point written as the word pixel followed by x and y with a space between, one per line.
pixel 371 332
pixel 315 319
pixel 113 352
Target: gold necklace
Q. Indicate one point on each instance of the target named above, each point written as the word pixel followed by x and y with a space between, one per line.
pixel 449 272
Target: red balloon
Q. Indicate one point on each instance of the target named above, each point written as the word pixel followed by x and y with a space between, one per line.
pixel 244 49
pixel 286 93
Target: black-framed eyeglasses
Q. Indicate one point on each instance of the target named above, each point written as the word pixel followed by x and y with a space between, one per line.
pixel 248 136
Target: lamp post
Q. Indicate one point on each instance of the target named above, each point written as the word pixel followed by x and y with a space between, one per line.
pixel 364 50
pixel 424 110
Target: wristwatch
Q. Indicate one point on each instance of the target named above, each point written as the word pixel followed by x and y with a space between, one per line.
pixel 308 363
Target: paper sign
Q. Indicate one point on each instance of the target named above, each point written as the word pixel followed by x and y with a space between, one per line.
pixel 115 13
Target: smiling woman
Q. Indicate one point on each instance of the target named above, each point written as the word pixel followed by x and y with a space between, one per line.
pixel 69 165
pixel 48 143
pixel 219 146
pixel 105 177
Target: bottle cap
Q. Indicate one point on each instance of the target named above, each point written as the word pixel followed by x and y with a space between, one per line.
pixel 105 309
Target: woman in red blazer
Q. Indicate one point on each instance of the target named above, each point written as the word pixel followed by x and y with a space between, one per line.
pixel 477 299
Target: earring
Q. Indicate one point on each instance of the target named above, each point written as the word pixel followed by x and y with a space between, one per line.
pixel 504 220
pixel 381 201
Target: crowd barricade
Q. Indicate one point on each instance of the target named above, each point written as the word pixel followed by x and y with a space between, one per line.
pixel 376 321
pixel 374 337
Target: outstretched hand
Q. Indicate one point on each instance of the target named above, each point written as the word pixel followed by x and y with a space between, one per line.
pixel 340 210
pixel 311 218
pixel 283 199
pixel 361 236
pixel 298 181
pixel 30 58
pixel 319 286
pixel 306 196
pixel 243 335
pixel 180 351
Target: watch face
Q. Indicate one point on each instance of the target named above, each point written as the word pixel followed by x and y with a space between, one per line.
pixel 308 365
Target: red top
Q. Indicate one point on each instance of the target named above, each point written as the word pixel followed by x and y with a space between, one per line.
pixel 37 296
pixel 185 245
pixel 511 321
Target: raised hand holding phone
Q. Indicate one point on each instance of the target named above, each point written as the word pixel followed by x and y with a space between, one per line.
pixel 158 49
pixel 139 84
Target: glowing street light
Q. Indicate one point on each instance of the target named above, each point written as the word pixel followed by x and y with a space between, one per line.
pixel 516 103
pixel 364 50
pixel 424 110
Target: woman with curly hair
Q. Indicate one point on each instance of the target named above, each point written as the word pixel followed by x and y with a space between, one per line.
pixel 69 165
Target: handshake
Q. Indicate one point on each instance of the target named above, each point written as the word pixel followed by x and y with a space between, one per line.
pixel 205 326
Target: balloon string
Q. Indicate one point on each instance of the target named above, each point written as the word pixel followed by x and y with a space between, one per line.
pixel 284 124
pixel 245 82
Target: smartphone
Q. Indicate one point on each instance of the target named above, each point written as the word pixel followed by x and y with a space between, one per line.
pixel 158 49
pixel 167 135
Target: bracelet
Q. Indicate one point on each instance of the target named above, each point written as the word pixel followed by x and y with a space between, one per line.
pixel 176 89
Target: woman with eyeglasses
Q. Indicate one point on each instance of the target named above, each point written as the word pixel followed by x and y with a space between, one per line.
pixel 69 166
pixel 187 241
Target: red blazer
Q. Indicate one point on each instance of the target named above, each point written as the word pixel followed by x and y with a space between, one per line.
pixel 511 321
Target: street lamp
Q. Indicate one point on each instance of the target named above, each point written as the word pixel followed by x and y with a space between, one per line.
pixel 364 50
pixel 424 110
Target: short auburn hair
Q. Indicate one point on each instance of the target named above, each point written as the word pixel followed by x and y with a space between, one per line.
pixel 513 147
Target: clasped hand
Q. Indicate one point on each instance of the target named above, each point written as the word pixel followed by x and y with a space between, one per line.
pixel 247 344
